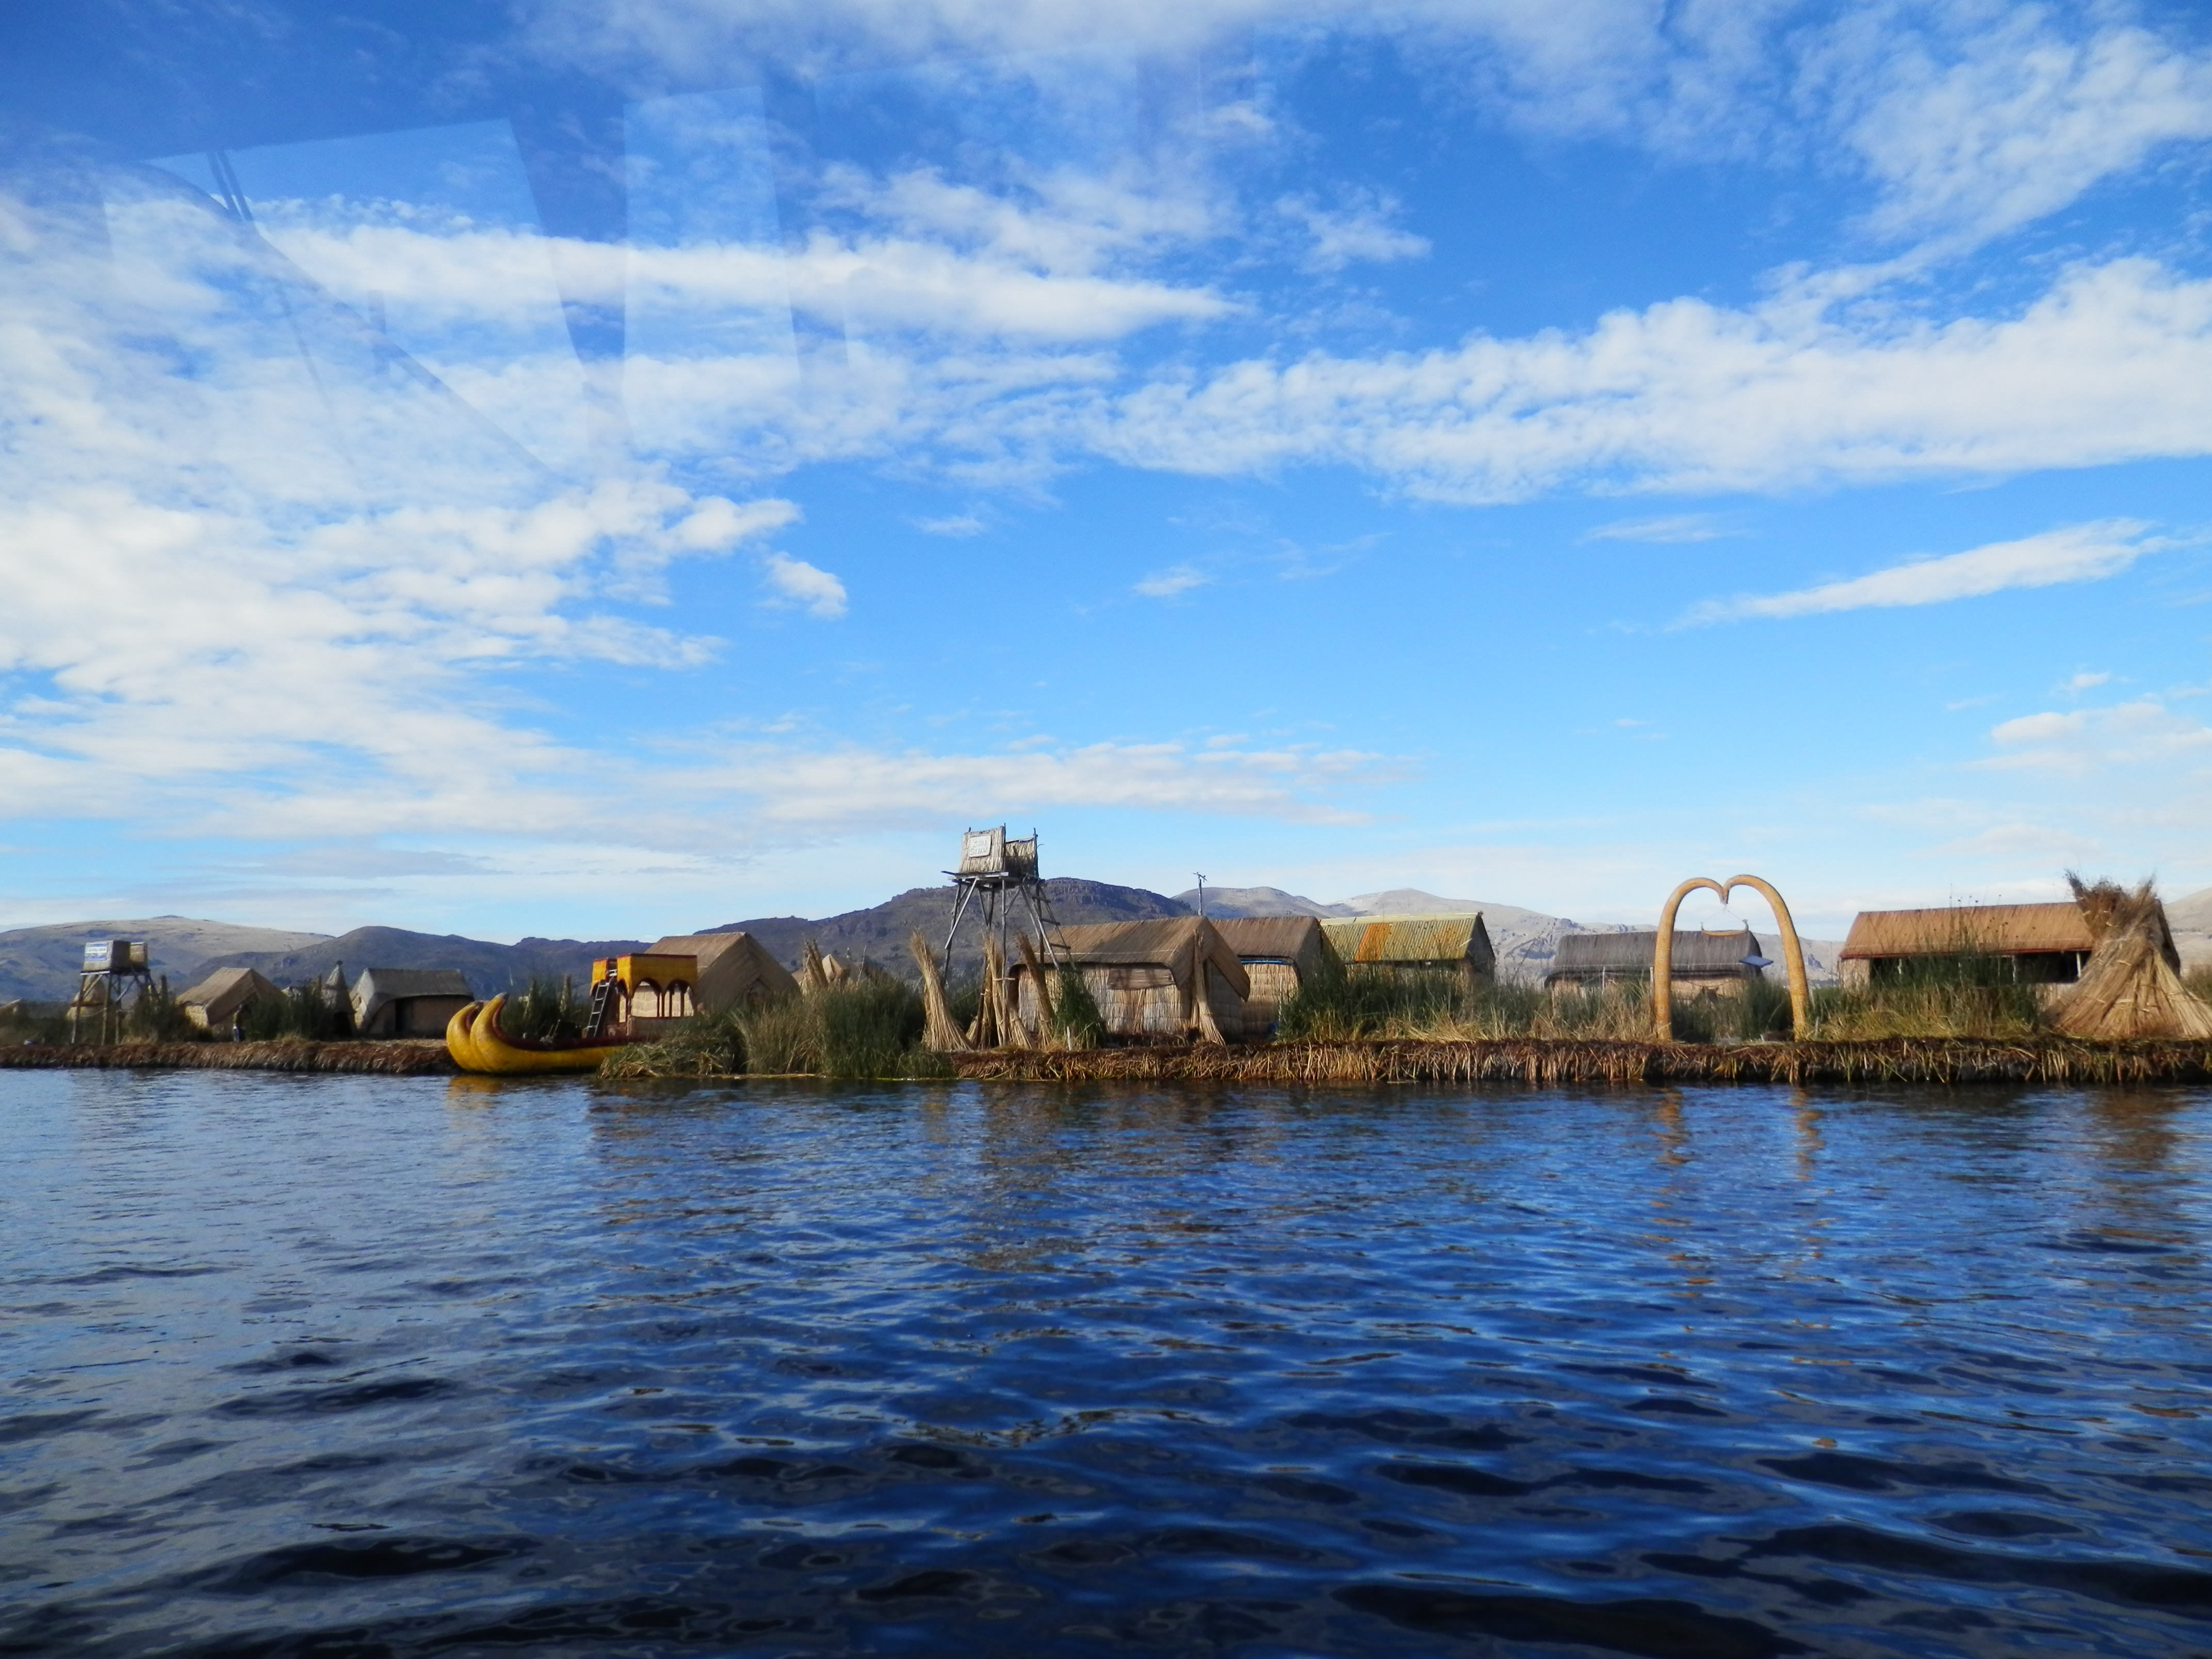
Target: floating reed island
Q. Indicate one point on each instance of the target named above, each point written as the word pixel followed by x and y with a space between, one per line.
pixel 2089 991
pixel 1561 1062
pixel 390 1059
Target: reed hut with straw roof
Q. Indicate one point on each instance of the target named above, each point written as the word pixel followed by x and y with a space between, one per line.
pixel 1279 954
pixel 1704 962
pixel 216 1003
pixel 2131 986
pixel 2038 943
pixel 733 969
pixel 408 1002
pixel 1168 979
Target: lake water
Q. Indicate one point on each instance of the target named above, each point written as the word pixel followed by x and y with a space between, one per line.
pixel 373 1366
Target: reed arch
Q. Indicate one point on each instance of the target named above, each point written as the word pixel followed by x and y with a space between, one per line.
pixel 1662 954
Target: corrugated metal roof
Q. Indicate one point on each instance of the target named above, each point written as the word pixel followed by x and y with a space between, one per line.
pixel 2000 930
pixel 1696 951
pixel 1410 939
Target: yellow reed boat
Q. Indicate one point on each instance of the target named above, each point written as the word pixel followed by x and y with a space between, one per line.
pixel 477 1044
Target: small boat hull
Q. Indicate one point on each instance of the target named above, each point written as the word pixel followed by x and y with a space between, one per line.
pixel 477 1044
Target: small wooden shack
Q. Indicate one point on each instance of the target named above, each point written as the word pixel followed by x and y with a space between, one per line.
pixel 1413 943
pixel 1168 979
pixel 731 969
pixel 217 1001
pixel 1702 961
pixel 408 1002
pixel 2039 944
pixel 1279 954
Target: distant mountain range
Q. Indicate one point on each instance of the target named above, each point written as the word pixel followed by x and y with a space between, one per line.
pixel 41 963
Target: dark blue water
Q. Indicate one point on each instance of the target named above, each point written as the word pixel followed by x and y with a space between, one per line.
pixel 372 1366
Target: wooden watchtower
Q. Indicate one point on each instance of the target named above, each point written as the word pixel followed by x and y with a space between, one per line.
pixel 1003 875
pixel 110 965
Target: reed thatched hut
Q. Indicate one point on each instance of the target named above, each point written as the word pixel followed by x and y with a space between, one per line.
pixel 1415 943
pixel 1703 960
pixel 1279 954
pixel 217 1001
pixel 2038 943
pixel 1168 979
pixel 408 1002
pixel 732 969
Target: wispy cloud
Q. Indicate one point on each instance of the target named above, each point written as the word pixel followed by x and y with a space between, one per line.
pixel 1974 136
pixel 2113 363
pixel 960 525
pixel 855 786
pixel 1167 584
pixel 2078 741
pixel 795 582
pixel 1681 527
pixel 2079 553
pixel 1358 233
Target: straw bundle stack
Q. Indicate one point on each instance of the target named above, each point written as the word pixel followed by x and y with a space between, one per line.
pixel 940 1035
pixel 2128 987
pixel 817 972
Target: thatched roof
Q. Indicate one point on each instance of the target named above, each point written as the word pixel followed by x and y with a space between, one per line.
pixel 2130 988
pixel 378 986
pixel 1994 930
pixel 1175 943
pixel 1696 952
pixel 1410 940
pixel 216 999
pixel 1298 940
pixel 734 968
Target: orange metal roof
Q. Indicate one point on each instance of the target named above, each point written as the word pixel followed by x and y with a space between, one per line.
pixel 1410 939
pixel 2001 929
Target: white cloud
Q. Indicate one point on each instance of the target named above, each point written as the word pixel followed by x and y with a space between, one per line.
pixel 2022 119
pixel 854 786
pixel 1967 120
pixel 2142 733
pixel 1167 584
pixel 2085 681
pixel 796 582
pixel 958 524
pixel 2078 553
pixel 1681 527
pixel 1360 232
pixel 275 592
pixel 2114 363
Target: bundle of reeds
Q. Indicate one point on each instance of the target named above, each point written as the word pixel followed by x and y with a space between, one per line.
pixel 816 972
pixel 938 1030
pixel 2130 988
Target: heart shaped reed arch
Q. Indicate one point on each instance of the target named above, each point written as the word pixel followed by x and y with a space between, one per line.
pixel 1662 954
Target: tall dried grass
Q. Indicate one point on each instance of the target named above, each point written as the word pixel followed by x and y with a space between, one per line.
pixel 1952 998
pixel 865 1025
pixel 546 1011
pixel 705 1045
pixel 1438 1006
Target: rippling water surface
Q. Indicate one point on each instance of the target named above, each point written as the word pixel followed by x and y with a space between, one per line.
pixel 338 1366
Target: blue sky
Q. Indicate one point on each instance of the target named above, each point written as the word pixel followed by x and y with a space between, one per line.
pixel 682 468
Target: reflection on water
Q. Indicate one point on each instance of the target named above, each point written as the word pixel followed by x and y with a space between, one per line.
pixel 354 1366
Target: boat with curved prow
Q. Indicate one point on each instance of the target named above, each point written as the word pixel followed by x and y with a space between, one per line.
pixel 477 1044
